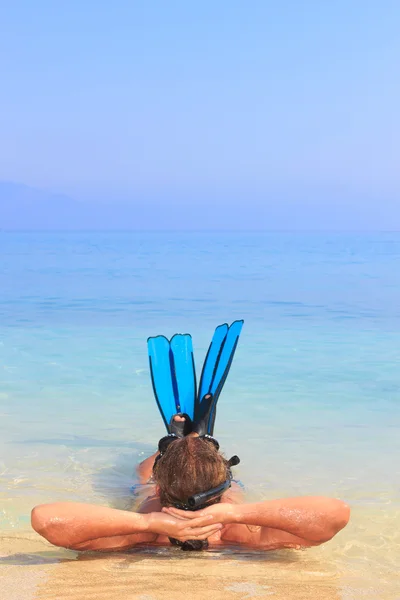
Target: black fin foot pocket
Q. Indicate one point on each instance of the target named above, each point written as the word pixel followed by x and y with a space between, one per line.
pixel 180 428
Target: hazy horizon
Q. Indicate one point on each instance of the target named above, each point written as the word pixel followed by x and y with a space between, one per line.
pixel 23 208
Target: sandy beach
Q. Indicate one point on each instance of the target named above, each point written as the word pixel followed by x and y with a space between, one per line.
pixel 44 572
pixel 32 569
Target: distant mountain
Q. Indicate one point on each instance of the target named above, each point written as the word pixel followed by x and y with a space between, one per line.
pixel 23 207
pixel 26 208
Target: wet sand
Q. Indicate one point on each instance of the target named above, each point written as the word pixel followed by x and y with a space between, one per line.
pixel 32 569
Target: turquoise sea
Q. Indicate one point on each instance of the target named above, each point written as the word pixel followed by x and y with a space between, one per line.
pixel 311 405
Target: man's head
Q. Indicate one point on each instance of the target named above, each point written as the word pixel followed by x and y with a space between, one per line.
pixel 190 465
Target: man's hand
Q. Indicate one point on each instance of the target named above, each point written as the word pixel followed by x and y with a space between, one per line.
pixel 199 527
pixel 221 513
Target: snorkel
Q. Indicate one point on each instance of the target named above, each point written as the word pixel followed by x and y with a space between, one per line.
pixel 201 499
pixel 206 498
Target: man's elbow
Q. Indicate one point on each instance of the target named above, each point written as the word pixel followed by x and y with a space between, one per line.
pixel 53 530
pixel 38 518
pixel 339 518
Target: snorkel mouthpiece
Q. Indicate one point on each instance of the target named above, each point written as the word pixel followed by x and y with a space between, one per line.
pixel 202 499
pixel 198 500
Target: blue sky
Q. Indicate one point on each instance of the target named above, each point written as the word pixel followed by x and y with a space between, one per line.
pixel 229 101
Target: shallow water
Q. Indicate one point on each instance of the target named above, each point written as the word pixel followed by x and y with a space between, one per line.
pixel 312 403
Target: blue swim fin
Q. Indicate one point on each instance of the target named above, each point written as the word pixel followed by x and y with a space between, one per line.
pixel 215 371
pixel 173 375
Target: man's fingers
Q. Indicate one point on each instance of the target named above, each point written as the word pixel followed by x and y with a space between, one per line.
pixel 199 533
pixel 204 531
pixel 197 522
pixel 183 514
pixel 177 517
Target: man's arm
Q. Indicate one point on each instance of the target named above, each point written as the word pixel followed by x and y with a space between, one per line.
pixel 314 519
pixel 292 522
pixel 90 527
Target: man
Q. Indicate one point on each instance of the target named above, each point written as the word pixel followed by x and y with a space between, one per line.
pixel 187 467
pixel 194 501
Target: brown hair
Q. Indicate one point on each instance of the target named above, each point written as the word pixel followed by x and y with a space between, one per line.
pixel 190 465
